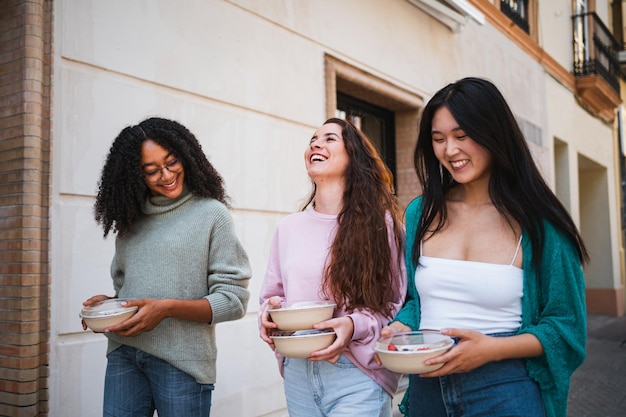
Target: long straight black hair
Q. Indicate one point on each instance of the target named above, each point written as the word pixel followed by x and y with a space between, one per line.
pixel 516 186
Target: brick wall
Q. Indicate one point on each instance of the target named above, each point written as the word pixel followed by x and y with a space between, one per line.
pixel 406 136
pixel 25 142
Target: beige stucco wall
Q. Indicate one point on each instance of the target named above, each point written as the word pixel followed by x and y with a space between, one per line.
pixel 247 77
pixel 556 28
pixel 592 139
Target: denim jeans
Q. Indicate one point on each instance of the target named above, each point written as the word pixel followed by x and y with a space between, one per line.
pixel 320 389
pixel 137 383
pixel 496 389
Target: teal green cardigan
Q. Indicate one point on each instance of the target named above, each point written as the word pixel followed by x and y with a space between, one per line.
pixel 553 309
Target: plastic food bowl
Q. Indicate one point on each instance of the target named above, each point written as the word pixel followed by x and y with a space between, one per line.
pixel 106 313
pixel 302 315
pixel 406 352
pixel 301 343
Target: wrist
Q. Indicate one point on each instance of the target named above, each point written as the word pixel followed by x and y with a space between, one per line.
pixel 351 321
pixel 398 327
pixel 167 307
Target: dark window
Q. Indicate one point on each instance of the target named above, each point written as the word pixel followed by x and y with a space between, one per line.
pixel 517 11
pixel 376 122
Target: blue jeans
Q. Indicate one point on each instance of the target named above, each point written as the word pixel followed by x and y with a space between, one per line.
pixel 320 389
pixel 496 389
pixel 137 383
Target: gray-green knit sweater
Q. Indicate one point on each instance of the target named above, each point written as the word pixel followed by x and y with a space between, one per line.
pixel 184 248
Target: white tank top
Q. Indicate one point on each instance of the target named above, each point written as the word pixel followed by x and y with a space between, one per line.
pixel 469 295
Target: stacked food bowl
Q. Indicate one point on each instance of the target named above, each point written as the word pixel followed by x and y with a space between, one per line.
pixel 295 336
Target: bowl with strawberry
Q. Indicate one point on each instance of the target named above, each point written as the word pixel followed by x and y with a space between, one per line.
pixel 405 352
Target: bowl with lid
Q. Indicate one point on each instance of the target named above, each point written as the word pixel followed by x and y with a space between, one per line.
pixel 106 313
pixel 301 343
pixel 301 315
pixel 405 352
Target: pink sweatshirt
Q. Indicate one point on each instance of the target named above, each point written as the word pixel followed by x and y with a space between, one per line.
pixel 298 256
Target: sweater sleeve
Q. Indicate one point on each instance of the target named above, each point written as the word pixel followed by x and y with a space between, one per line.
pixel 272 283
pixel 367 325
pixel 410 312
pixel 228 271
pixel 558 319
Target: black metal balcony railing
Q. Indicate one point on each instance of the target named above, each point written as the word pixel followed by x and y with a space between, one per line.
pixel 517 11
pixel 595 49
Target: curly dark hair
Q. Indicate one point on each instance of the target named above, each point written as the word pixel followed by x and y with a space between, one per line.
pixel 121 188
pixel 360 272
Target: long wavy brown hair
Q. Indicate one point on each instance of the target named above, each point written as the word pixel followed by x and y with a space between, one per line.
pixel 361 272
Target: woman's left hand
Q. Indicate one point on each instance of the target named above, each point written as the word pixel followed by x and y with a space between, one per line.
pixel 150 313
pixel 344 328
pixel 473 349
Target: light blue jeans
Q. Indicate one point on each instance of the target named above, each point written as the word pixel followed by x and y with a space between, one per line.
pixel 137 383
pixel 322 389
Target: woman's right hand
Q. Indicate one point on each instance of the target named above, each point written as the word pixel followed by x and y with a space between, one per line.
pixel 393 328
pixel 91 301
pixel 388 331
pixel 266 322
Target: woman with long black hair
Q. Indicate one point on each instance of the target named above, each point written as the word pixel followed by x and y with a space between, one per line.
pixel 494 261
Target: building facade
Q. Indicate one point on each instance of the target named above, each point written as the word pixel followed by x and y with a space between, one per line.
pixel 253 79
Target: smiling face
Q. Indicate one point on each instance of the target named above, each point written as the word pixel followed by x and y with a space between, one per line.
pixel 465 159
pixel 163 172
pixel 326 157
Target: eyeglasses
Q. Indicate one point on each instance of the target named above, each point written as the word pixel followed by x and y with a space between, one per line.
pixel 174 166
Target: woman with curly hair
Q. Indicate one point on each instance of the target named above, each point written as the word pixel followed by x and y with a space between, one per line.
pixel 494 261
pixel 346 245
pixel 178 259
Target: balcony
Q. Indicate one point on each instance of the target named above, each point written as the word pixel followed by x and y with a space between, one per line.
pixel 596 67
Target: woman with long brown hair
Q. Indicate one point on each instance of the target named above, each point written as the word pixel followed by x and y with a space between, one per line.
pixel 346 245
